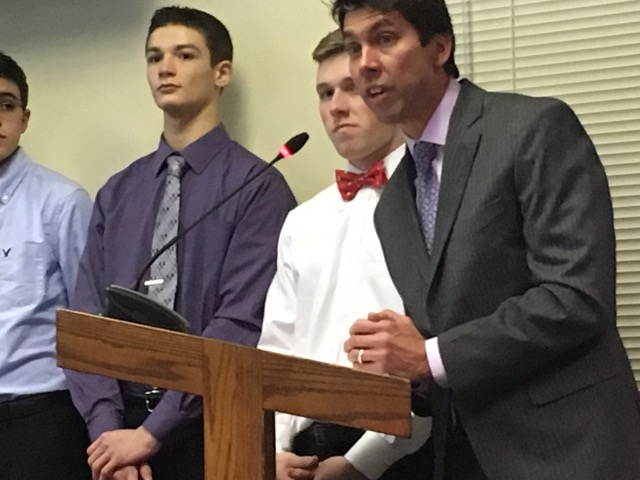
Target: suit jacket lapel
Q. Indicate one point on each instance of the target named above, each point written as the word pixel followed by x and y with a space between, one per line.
pixel 398 228
pixel 460 152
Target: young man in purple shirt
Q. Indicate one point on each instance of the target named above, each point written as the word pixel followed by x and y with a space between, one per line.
pixel 224 265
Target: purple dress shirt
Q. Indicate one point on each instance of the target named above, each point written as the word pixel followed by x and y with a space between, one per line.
pixel 225 264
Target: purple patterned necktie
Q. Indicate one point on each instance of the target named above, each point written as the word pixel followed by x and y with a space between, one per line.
pixel 427 188
pixel 165 268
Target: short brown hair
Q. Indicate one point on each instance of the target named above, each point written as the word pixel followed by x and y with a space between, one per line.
pixel 212 30
pixel 330 46
pixel 11 71
pixel 428 17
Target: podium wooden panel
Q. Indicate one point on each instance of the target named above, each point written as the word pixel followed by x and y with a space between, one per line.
pixel 241 387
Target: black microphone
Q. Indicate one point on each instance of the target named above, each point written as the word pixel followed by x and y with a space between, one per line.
pixel 287 150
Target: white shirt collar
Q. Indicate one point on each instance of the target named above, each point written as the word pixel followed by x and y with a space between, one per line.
pixel 391 161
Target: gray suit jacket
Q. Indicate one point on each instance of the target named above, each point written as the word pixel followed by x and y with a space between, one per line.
pixel 520 291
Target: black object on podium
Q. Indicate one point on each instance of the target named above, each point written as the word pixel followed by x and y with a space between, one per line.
pixel 132 306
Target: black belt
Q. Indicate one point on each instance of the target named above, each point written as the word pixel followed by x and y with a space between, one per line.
pixel 325 440
pixel 25 405
pixel 148 401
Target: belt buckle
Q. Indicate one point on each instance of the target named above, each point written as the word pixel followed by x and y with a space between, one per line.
pixel 152 397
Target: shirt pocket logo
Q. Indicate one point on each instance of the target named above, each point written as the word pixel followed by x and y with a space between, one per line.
pixel 22 272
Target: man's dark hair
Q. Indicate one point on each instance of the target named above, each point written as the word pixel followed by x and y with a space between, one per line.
pixel 11 71
pixel 213 30
pixel 428 17
pixel 330 46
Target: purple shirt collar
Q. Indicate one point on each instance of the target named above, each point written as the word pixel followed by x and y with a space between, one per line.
pixel 438 125
pixel 197 154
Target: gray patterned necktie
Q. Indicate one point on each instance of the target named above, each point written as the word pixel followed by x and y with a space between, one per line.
pixel 427 188
pixel 165 268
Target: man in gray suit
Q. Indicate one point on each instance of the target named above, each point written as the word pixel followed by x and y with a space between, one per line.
pixel 498 233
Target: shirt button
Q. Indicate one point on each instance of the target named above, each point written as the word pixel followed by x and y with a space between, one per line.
pixel 5 199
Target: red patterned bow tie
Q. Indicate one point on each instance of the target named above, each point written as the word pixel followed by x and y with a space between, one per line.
pixel 349 183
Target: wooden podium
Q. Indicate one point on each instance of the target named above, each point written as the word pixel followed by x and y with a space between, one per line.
pixel 241 387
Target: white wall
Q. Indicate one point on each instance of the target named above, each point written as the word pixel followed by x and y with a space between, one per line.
pixel 92 113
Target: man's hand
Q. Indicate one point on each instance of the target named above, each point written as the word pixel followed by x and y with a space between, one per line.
pixel 337 468
pixel 133 473
pixel 120 448
pixel 291 466
pixel 388 343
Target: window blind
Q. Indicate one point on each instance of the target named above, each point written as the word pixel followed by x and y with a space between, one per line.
pixel 586 52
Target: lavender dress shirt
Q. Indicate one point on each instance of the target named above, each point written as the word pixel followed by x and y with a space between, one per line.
pixel 225 264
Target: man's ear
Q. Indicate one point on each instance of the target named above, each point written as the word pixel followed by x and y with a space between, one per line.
pixel 444 46
pixel 26 115
pixel 224 72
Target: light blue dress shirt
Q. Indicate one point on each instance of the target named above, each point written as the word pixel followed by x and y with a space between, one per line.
pixel 44 219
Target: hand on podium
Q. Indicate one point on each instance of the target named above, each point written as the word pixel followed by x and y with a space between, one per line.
pixel 388 343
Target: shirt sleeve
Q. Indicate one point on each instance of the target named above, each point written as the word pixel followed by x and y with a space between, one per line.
pixel 278 329
pixel 375 452
pixel 97 398
pixel 248 269
pixel 72 226
pixel 435 362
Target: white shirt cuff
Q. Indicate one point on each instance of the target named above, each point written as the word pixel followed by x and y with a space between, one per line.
pixel 375 452
pixel 435 362
pixel 286 428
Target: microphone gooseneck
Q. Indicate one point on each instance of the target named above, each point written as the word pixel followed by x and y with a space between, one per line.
pixel 288 149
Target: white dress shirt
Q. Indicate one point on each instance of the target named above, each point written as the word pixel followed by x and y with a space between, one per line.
pixel 332 272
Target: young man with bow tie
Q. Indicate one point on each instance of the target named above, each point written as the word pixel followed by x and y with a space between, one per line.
pixel 330 271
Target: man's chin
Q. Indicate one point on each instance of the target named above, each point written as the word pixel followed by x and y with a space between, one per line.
pixel 344 149
pixel 6 152
pixel 353 153
pixel 173 109
pixel 385 113
pixel 388 117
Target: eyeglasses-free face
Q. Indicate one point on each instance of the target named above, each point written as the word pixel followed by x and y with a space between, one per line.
pixel 14 118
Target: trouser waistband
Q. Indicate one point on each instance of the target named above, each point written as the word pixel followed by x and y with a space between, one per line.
pixel 24 405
